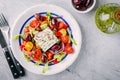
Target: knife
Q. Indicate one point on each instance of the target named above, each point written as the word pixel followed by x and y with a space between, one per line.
pixel 9 59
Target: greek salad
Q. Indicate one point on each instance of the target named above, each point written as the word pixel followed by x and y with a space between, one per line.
pixel 46 40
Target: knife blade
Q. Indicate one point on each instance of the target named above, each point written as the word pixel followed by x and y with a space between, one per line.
pixel 8 56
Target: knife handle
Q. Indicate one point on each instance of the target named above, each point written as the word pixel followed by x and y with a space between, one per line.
pixel 17 64
pixel 19 67
pixel 11 63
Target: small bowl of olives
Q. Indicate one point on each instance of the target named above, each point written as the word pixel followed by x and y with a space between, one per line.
pixel 83 6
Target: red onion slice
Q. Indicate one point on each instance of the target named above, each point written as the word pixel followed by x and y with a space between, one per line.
pixel 56 49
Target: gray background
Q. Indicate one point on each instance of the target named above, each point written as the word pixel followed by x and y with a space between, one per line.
pixel 99 58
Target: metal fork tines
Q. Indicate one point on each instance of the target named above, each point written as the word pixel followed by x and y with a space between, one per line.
pixel 3 21
pixel 6 29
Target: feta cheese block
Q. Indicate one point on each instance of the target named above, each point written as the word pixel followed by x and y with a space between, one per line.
pixel 45 39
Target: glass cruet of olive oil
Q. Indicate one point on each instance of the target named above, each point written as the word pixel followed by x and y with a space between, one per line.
pixel 107 18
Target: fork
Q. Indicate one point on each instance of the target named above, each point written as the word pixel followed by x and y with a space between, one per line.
pixel 5 27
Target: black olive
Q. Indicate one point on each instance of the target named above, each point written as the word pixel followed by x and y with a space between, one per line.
pixel 44 59
pixel 29 37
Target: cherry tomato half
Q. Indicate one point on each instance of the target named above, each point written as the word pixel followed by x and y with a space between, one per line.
pixel 38 52
pixel 69 49
pixel 58 34
pixel 29 46
pixel 62 25
pixel 65 39
pixel 37 55
pixel 49 55
pixel 26 29
pixel 35 23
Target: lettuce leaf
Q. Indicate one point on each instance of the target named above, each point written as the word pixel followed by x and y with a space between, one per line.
pixel 37 63
pixel 17 36
pixel 73 41
pixel 48 16
pixel 26 57
pixel 45 68
pixel 59 56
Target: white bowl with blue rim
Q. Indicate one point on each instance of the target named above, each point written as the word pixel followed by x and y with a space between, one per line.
pixel 25 18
